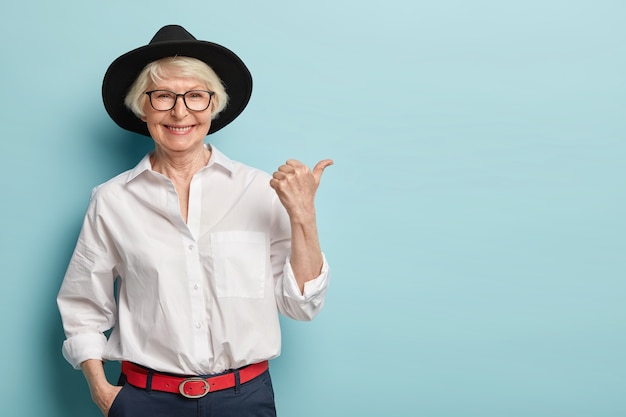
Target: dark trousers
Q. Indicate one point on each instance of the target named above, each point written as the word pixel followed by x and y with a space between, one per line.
pixel 255 398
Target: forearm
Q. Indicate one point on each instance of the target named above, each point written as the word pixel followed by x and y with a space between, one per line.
pixel 93 370
pixel 306 255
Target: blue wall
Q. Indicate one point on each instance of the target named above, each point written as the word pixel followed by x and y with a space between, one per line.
pixel 474 217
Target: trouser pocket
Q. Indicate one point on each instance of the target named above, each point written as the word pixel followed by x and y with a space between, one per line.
pixel 117 406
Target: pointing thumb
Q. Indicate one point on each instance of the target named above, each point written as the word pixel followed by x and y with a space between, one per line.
pixel 318 170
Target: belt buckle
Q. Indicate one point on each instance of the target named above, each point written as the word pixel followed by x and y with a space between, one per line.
pixel 206 387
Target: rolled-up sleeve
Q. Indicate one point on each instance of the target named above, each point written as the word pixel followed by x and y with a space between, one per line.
pixel 86 299
pixel 303 306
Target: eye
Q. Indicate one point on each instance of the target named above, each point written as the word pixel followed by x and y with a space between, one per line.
pixel 164 95
pixel 197 95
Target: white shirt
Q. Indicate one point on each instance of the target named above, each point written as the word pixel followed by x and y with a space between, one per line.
pixel 192 298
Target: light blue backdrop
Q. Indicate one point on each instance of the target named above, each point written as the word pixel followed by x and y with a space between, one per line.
pixel 474 218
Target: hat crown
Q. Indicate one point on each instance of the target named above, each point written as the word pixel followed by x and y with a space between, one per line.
pixel 171 33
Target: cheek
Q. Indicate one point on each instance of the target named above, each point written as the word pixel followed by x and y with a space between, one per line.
pixel 151 117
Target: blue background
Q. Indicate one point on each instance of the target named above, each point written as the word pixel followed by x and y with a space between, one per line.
pixel 474 217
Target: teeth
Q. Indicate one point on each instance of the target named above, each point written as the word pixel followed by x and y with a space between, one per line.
pixel 179 129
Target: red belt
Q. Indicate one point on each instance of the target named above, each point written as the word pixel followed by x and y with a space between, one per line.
pixel 191 387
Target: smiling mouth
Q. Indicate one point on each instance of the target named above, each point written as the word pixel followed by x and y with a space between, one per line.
pixel 179 129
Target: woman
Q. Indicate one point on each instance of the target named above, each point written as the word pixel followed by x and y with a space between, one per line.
pixel 205 250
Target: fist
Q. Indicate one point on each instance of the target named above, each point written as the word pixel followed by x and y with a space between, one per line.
pixel 296 185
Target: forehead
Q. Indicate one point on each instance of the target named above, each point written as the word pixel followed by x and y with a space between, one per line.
pixel 177 82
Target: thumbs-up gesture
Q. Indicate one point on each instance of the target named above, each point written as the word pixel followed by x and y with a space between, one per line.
pixel 296 185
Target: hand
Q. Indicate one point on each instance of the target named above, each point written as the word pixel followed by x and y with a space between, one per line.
pixel 296 185
pixel 105 396
pixel 102 393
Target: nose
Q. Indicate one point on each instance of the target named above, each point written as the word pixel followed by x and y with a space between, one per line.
pixel 180 109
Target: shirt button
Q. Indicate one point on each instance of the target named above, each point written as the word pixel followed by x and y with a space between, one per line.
pixel 195 287
pixel 190 247
pixel 198 325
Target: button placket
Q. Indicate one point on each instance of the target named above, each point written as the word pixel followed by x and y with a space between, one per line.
pixel 197 301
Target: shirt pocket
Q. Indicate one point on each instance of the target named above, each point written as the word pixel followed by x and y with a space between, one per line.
pixel 239 260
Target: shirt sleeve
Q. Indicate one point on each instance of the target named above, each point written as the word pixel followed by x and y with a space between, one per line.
pixel 303 306
pixel 86 299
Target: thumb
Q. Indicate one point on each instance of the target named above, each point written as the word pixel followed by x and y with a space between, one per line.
pixel 319 168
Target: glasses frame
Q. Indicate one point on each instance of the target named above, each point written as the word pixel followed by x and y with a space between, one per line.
pixel 176 95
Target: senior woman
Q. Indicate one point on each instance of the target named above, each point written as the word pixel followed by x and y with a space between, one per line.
pixel 190 256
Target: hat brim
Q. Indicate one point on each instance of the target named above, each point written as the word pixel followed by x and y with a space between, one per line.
pixel 123 72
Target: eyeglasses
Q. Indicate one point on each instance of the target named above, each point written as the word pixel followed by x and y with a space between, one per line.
pixel 195 100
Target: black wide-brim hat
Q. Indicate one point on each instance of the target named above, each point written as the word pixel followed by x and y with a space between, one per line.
pixel 174 40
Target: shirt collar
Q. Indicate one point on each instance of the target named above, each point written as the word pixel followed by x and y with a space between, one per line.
pixel 217 158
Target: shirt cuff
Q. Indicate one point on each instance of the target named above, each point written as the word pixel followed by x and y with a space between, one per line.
pixel 79 348
pixel 312 288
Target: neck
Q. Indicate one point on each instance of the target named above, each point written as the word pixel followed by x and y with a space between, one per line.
pixel 179 166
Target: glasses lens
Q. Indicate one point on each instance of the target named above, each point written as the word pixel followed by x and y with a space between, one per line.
pixel 197 100
pixel 162 100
